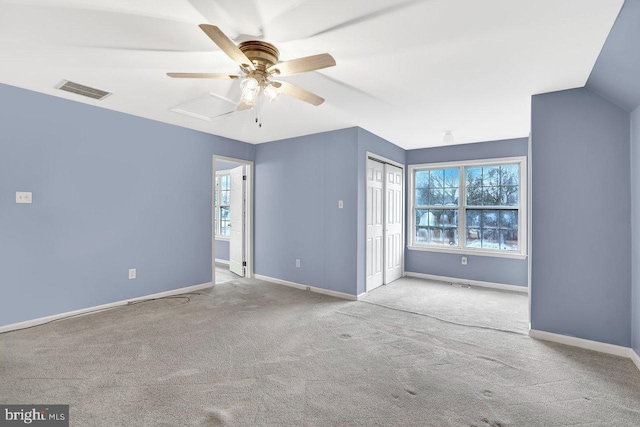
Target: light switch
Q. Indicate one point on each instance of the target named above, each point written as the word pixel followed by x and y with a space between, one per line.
pixel 23 197
pixel 340 204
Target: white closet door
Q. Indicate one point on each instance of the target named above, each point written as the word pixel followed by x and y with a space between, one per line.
pixel 393 223
pixel 236 214
pixel 375 225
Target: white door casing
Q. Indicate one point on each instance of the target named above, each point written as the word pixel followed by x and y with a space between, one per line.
pixel 236 214
pixel 375 225
pixel 393 223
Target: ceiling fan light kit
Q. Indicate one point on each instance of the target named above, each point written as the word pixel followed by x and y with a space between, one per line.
pixel 258 61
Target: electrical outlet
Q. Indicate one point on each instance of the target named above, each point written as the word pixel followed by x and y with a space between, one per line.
pixel 132 273
pixel 23 197
pixel 464 260
pixel 298 263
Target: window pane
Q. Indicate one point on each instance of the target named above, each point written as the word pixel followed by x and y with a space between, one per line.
pixel 509 219
pixel 436 197
pixel 423 216
pixel 489 219
pixel 445 217
pixel 422 196
pixel 422 179
pixel 510 175
pixel 490 238
pixel 473 237
pixel 224 197
pixel 474 196
pixel 225 229
pixel 509 240
pixel 436 235
pixel 451 236
pixel 491 176
pixel 422 235
pixel 509 196
pixel 436 178
pixel 474 218
pixel 474 177
pixel 224 213
pixel 451 178
pixel 225 182
pixel 491 196
pixel 451 196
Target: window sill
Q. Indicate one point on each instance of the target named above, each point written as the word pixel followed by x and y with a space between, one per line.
pixel 223 238
pixel 469 252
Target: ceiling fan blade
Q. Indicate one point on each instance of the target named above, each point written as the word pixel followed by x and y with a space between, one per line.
pixel 303 65
pixel 204 75
pixel 297 92
pixel 227 46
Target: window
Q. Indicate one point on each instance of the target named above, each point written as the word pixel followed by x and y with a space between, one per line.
pixel 221 204
pixel 471 207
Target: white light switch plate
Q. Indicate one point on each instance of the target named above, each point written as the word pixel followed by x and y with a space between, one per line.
pixel 23 197
pixel 340 204
pixel 132 273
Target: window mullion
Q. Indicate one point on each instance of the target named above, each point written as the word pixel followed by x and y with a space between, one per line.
pixel 462 208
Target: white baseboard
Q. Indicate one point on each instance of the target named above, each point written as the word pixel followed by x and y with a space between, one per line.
pixel 88 310
pixel 635 358
pixel 222 261
pixel 501 286
pixel 336 294
pixel 601 347
pixel 361 295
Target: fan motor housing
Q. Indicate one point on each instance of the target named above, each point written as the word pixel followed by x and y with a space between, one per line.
pixel 262 54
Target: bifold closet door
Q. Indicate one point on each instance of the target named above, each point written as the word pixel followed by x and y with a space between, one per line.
pixel 393 200
pixel 375 225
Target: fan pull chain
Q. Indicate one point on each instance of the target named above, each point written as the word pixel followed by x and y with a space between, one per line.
pixel 258 109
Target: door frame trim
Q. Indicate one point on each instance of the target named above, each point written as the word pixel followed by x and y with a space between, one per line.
pixel 382 159
pixel 248 220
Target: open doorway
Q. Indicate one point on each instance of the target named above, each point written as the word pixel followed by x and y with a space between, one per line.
pixel 232 219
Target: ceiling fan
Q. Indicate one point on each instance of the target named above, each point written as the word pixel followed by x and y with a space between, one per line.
pixel 258 61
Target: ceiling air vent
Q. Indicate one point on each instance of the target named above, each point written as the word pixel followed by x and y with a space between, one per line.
pixel 83 90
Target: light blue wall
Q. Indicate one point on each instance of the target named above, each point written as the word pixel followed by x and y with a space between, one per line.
pixel 298 184
pixel 368 142
pixel 615 74
pixel 483 268
pixel 581 271
pixel 110 192
pixel 222 249
pixel 635 230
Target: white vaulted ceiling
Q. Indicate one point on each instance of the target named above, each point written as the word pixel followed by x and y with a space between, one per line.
pixel 407 70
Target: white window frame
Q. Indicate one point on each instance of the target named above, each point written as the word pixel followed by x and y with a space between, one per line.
pixel 216 207
pixel 461 249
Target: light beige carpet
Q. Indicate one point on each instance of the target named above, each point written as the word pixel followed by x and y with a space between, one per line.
pixel 251 353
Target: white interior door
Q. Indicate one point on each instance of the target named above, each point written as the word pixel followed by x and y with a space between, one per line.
pixel 236 215
pixel 375 225
pixel 394 252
